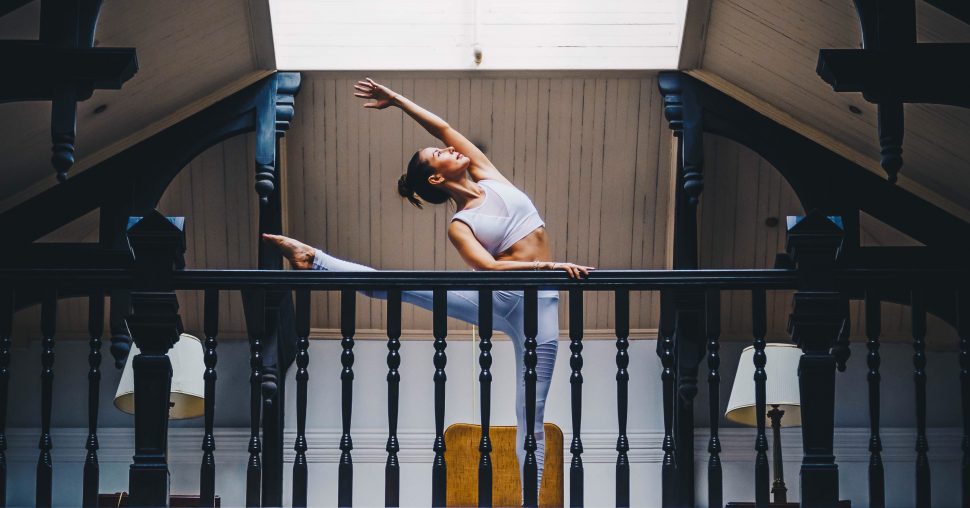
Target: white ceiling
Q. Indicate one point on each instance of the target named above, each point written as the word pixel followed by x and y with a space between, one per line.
pixel 441 34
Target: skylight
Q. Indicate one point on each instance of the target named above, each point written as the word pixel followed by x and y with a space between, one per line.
pixel 508 34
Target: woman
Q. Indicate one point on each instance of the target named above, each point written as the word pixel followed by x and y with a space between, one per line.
pixel 496 227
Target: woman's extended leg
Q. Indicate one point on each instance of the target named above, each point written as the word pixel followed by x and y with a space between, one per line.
pixel 462 305
pixel 509 318
pixel 546 350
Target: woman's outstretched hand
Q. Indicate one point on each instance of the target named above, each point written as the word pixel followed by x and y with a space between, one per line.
pixel 299 254
pixel 575 271
pixel 369 89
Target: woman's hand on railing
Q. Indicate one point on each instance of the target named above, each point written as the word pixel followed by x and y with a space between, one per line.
pixel 575 271
pixel 298 253
pixel 381 95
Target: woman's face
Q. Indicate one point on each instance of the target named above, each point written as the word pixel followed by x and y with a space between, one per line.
pixel 447 162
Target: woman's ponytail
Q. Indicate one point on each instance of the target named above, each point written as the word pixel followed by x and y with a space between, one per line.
pixel 406 191
pixel 415 183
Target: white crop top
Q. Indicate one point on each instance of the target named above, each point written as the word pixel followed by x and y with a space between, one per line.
pixel 505 216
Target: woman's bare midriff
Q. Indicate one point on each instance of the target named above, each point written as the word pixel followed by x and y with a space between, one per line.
pixel 532 247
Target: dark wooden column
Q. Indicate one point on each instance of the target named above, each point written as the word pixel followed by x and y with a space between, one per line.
pixel 665 350
pixel 685 115
pixel 712 315
pixel 818 315
pixel 6 325
pixel 158 245
pixel 963 330
pixel 92 471
pixel 273 114
pixel 689 338
pixel 576 473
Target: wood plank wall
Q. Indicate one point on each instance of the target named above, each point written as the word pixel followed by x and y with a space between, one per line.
pixel 215 194
pixel 742 191
pixel 591 152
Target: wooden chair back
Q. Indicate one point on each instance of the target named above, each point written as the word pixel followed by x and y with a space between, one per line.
pixel 462 457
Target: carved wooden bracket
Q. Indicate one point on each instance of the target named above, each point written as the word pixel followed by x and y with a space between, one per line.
pixel 685 117
pixel 64 67
pixel 892 69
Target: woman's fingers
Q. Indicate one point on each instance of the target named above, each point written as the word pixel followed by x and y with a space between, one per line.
pixel 576 271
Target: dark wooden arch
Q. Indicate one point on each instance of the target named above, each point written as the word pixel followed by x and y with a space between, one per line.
pixel 820 178
pixel 825 183
pixel 131 183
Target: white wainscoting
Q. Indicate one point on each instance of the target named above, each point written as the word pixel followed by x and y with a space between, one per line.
pixel 369 457
pixel 416 421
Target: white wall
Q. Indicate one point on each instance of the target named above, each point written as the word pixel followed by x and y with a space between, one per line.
pixel 416 423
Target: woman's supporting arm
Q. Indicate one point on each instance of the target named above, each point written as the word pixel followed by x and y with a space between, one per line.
pixel 477 257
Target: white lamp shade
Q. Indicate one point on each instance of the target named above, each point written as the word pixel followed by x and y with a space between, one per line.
pixel 188 386
pixel 781 385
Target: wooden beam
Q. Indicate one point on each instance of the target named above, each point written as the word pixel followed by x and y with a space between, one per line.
pixel 37 69
pixel 925 72
pixel 137 137
pixel 869 163
pixel 261 35
pixel 694 40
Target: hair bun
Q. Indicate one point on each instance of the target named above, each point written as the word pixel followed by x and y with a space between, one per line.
pixel 405 190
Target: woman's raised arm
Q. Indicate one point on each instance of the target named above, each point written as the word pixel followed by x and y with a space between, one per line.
pixel 481 168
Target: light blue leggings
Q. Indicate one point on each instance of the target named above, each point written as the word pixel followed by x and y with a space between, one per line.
pixel 507 317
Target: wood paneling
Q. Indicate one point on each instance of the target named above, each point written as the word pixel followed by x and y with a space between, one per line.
pixel 742 191
pixel 441 34
pixel 186 50
pixel 216 196
pixel 591 152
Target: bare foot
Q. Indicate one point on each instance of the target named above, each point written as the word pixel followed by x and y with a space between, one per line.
pixel 299 254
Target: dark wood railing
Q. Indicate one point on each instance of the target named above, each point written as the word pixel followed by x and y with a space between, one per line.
pixel 819 314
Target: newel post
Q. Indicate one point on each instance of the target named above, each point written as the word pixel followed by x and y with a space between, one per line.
pixel 158 245
pixel 818 315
